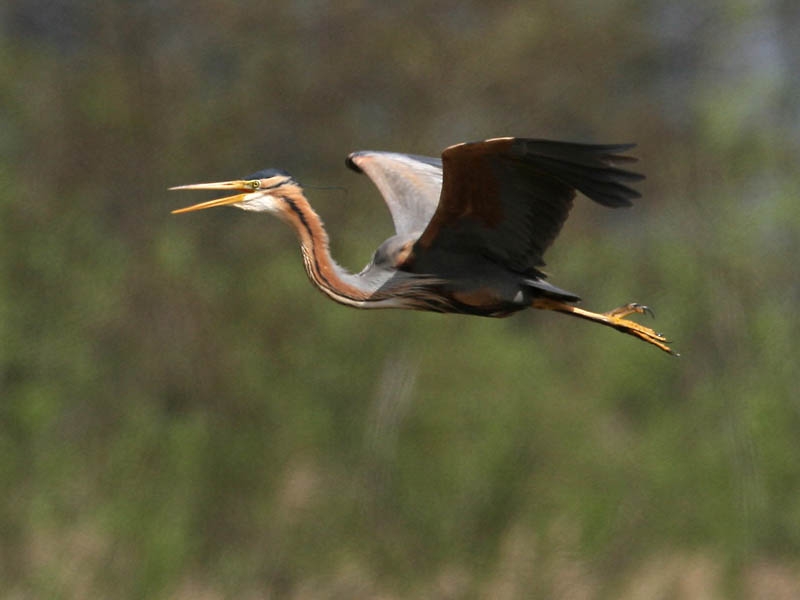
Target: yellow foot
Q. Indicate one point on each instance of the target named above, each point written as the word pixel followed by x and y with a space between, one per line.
pixel 613 318
pixel 640 331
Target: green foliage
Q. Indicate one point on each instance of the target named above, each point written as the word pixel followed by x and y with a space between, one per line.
pixel 181 415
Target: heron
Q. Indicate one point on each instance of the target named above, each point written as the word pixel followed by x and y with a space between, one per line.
pixel 471 227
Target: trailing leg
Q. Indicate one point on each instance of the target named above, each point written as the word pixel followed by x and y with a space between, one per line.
pixel 613 318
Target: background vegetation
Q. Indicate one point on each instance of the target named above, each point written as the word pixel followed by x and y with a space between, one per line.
pixel 182 416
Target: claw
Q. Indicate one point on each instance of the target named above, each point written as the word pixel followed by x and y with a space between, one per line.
pixel 617 320
pixel 630 308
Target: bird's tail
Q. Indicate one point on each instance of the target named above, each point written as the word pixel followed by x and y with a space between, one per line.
pixel 542 287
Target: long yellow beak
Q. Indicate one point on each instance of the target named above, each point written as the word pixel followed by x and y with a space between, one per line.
pixel 237 185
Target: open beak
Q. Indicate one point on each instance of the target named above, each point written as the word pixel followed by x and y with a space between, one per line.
pixel 237 185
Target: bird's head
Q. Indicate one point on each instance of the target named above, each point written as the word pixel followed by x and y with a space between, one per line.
pixel 257 192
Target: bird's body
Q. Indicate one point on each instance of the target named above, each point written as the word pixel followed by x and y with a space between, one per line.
pixel 471 227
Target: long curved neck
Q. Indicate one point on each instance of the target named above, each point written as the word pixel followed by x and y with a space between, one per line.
pixel 335 281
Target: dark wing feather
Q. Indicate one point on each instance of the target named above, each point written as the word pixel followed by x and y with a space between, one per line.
pixel 507 198
pixel 410 185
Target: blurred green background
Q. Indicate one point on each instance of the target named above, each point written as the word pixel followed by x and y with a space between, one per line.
pixel 183 416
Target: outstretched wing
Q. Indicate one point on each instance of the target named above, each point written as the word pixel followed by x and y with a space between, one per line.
pixel 409 184
pixel 507 198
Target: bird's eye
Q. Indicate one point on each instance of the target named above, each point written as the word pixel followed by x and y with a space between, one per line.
pixel 255 184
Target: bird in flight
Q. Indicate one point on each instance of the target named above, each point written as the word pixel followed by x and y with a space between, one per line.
pixel 471 227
